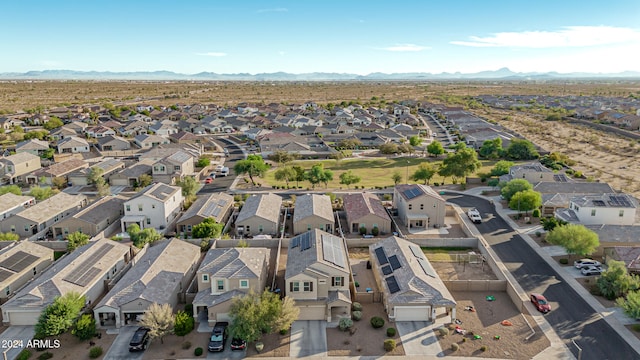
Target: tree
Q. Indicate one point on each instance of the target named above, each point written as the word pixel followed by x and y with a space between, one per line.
pixel 283 157
pixel 317 174
pixel 491 149
pixel 425 172
pixel 42 193
pixel 389 148
pixel 208 228
pixel 435 148
pixel 189 186
pixel 53 123
pixel 85 327
pixel 396 177
pixel 299 174
pixel 615 281
pixel 14 189
pixel 142 237
pixel 415 140
pixel 254 166
pixel 459 164
pixel 502 167
pixel 520 149
pixel 184 323
pixel 526 201
pixel 348 178
pixel 9 236
pixel 76 239
pixel 160 321
pixel 256 313
pixel 550 223
pixel 203 162
pixel 576 239
pixel 512 187
pixel 95 177
pixel 48 154
pixel 59 182
pixel 285 174
pixel 631 304
pixel 60 315
pixel 145 180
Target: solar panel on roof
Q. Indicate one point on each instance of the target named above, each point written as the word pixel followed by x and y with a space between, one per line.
pixel 86 272
pixel 392 284
pixel 386 270
pixel 412 193
pixel 426 267
pixel 4 274
pixel 381 255
pixel 18 261
pixel 395 262
pixel 332 250
pixel 417 252
pixel 305 241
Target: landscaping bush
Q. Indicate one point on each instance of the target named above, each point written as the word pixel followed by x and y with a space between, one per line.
pixel 356 306
pixel 357 284
pixel 283 331
pixel 345 324
pixel 389 345
pixel 455 347
pixel 363 230
pixel 484 348
pixel 443 331
pixel 375 231
pixel 198 351
pixel 48 355
pixel 184 323
pixel 189 309
pixel 535 213
pixel 636 327
pixel 356 315
pixel 24 355
pixel 186 345
pixel 391 332
pixel 95 352
pixel 377 322
pixel 538 234
pixel 564 261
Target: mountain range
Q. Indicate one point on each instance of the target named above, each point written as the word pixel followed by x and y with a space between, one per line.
pixel 500 74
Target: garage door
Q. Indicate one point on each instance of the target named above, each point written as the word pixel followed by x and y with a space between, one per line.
pixel 312 313
pixel 24 318
pixel 223 317
pixel 412 313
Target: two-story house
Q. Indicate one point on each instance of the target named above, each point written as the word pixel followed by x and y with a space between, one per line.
pixel 226 273
pixel 365 210
pixel 419 206
pixel 313 211
pixel 154 207
pixel 19 263
pixel 217 206
pixel 259 215
pixel 13 168
pixel 317 276
pixel 11 204
pixel 173 168
pixel 600 209
pixel 532 172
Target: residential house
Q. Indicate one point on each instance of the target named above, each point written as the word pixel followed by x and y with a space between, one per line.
pixel 113 143
pixel 419 206
pixel 173 168
pixel 19 263
pixel 411 288
pixel 609 209
pixel 217 206
pixel 532 172
pixel 630 255
pixel 13 168
pixel 154 207
pixel 99 132
pixel 83 271
pixel 557 194
pixel 164 128
pixel 226 273
pixel 365 210
pixel 134 128
pixel 72 145
pixel 313 211
pixel 11 204
pixel 159 276
pixel 130 176
pixel 183 137
pixel 33 146
pixel 37 219
pixel 102 217
pixel 108 167
pixel 317 276
pixel 146 141
pixel 61 133
pixel 61 169
pixel 259 215
pixel 6 124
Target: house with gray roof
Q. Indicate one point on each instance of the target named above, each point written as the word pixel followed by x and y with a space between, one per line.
pixel 173 167
pixel 630 255
pixel 228 272
pixel 146 141
pixel 83 271
pixel 610 209
pixel 14 168
pixel 532 172
pixel 419 206
pixel 259 215
pixel 113 143
pixel 11 204
pixel 60 169
pixel 365 210
pixel 317 276
pixel 217 206
pixel 107 167
pixel 101 217
pixel 557 194
pixel 158 276
pixel 412 290
pixel 19 263
pixel 130 176
pixel 313 211
pixel 72 145
pixel 156 206
pixel 32 146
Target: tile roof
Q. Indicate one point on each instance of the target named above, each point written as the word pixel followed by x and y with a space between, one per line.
pixel 11 200
pixel 546 187
pixel 362 204
pixel 46 209
pixel 266 206
pixel 100 209
pixel 235 263
pixel 313 204
pixel 214 205
pixel 301 259
pixel 33 144
pixel 62 168
pixel 19 158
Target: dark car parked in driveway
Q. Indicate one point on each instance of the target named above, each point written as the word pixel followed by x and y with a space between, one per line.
pixel 238 344
pixel 139 340
pixel 218 337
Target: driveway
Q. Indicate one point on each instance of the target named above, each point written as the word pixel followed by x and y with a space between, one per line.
pixel 308 338
pixel 14 333
pixel 119 350
pixel 418 338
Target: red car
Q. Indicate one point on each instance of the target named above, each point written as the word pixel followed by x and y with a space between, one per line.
pixel 540 303
pixel 208 180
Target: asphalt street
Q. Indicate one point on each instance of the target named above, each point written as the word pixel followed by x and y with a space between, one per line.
pixel 222 183
pixel 571 317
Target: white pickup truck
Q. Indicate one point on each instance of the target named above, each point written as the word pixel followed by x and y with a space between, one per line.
pixel 474 215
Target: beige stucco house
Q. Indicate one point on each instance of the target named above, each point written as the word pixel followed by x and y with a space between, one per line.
pixel 19 263
pixel 419 206
pixel 11 204
pixel 313 211
pixel 156 206
pixel 259 215
pixel 173 168
pixel 217 206
pixel 365 210
pixel 101 217
pixel 13 168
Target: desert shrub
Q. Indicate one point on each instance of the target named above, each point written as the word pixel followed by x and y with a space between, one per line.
pixel 535 213
pixel 455 347
pixel 184 323
pixel 357 284
pixel 189 309
pixel 375 231
pixel 356 306
pixel 198 351
pixel 389 345
pixel 538 234
pixel 484 348
pixel 377 322
pixel 363 230
pixel 46 355
pixel 391 332
pixel 443 331
pixel 24 355
pixel 95 352
pixel 564 261
pixel 186 345
pixel 464 339
pixel 345 324
pixel 636 327
pixel 356 315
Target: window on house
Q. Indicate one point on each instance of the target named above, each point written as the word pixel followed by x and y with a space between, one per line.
pixel 244 284
pixel 421 206
pixel 260 228
pixel 205 277
pixel 139 207
pixel 177 167
pixel 294 286
pixel 410 206
pixel 114 270
pixel 621 213
pixel 7 291
pixel 148 221
pixel 128 207
pixel 307 286
pixel 593 212
pixel 153 206
pixel 337 281
pixel 13 228
pixel 26 228
pixel 189 228
pixel 220 285
pixel 35 271
pixel 308 227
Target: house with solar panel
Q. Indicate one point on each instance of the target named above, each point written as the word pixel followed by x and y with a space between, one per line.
pixel 313 211
pixel 317 276
pixel 158 276
pixel 226 273
pixel 217 206
pixel 600 209
pixel 84 271
pixel 19 263
pixel 419 206
pixel 259 215
pixel 411 288
pixel 365 210
pixel 173 168
pixel 156 206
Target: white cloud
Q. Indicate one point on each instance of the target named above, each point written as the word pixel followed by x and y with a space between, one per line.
pixel 214 54
pixel 569 36
pixel 405 47
pixel 272 10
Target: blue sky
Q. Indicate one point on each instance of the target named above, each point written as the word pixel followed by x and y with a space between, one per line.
pixel 302 36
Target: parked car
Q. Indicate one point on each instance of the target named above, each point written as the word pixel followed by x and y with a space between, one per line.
pixel 218 337
pixel 591 270
pixel 579 264
pixel 208 180
pixel 541 303
pixel 219 168
pixel 474 215
pixel 140 340
pixel 238 344
pixel 224 171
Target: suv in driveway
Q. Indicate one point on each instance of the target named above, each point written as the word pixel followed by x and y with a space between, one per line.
pixel 139 340
pixel 474 215
pixel 582 263
pixel 218 337
pixel 591 270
